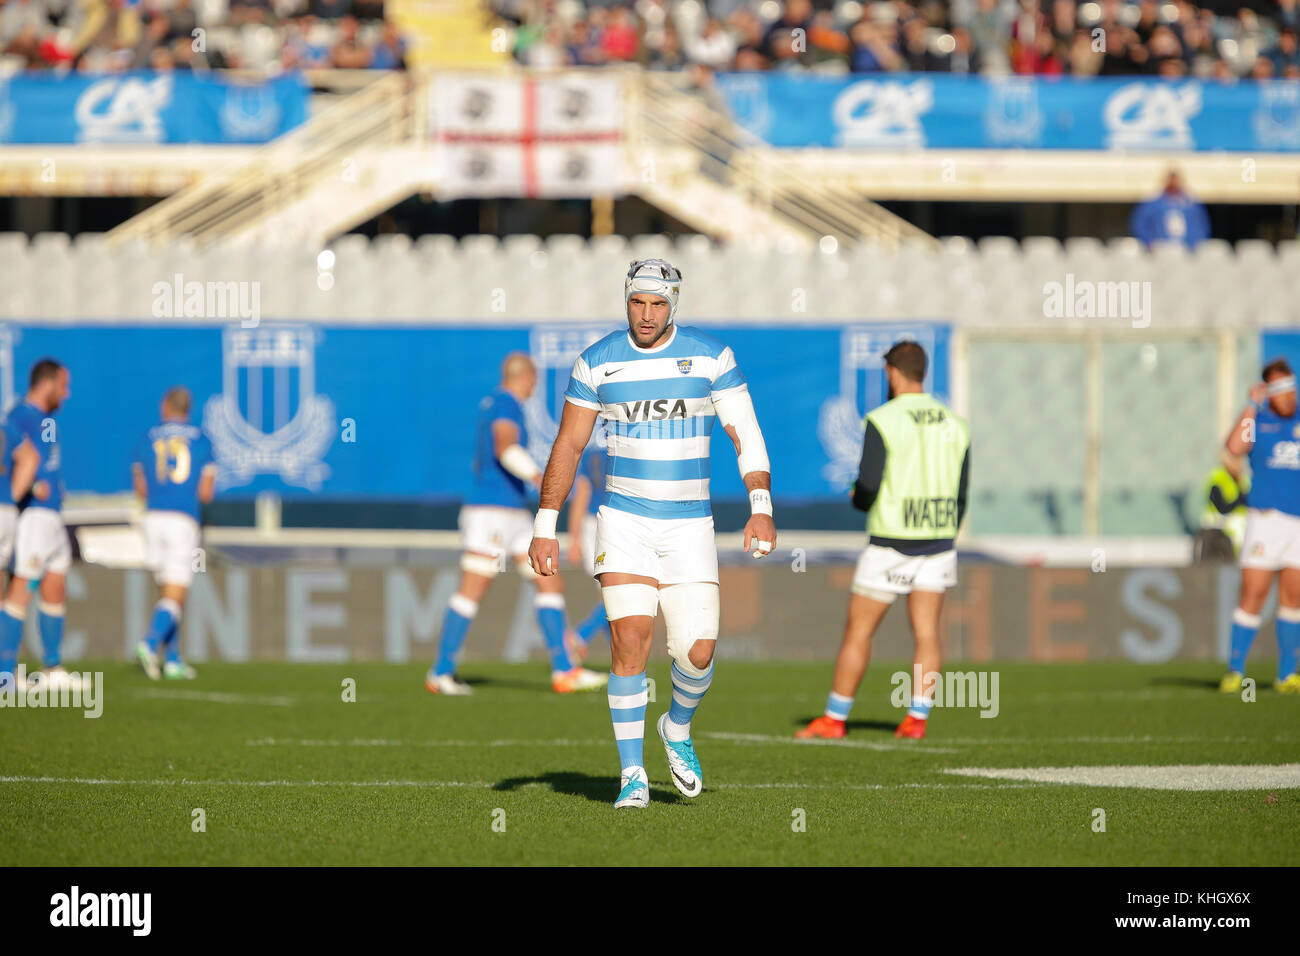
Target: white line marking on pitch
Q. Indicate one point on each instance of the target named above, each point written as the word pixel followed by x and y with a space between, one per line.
pixel 382 742
pixel 1142 739
pixel 852 744
pixel 485 785
pixel 211 697
pixel 1173 777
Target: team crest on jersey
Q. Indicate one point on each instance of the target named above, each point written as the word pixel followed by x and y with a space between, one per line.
pixel 684 366
pixel 268 418
pixel 554 348
pixel 863 386
pixel 600 558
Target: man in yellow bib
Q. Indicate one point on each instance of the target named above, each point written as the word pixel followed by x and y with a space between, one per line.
pixel 912 484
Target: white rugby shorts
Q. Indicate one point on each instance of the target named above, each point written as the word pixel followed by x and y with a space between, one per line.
pixel 41 544
pixel 171 539
pixel 1272 540
pixel 884 569
pixel 670 550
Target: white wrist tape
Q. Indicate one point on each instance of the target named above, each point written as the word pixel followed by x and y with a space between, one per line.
pixel 544 523
pixel 760 502
pixel 519 463
pixel 736 410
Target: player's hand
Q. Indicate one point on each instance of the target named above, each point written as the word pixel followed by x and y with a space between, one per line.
pixel 760 529
pixel 41 490
pixel 1258 392
pixel 544 556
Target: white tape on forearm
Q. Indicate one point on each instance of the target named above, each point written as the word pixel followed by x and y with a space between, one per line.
pixel 519 463
pixel 544 523
pixel 736 410
pixel 760 502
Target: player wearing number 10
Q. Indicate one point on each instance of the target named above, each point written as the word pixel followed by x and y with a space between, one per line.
pixel 174 473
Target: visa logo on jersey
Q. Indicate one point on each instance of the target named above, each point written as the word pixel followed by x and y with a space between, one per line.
pixel 650 410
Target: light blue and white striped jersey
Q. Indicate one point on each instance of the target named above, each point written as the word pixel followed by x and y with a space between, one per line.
pixel 658 408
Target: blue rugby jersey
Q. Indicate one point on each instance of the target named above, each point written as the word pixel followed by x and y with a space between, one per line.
pixel 657 405
pixel 29 419
pixel 1275 463
pixel 493 485
pixel 173 456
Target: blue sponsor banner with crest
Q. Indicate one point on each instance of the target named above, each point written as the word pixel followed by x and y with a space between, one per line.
pixel 148 108
pixel 940 111
pixel 350 412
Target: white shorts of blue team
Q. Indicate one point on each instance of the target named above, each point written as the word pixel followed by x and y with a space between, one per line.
pixel 1272 540
pixel 41 544
pixel 499 532
pixel 670 550
pixel 884 569
pixel 171 546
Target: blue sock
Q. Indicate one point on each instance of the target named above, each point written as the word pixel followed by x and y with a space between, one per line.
pixel 11 639
pixel 594 624
pixel 1288 641
pixel 628 697
pixel 455 626
pixel 166 614
pixel 172 644
pixel 550 615
pixel 688 691
pixel 1244 626
pixel 838 706
pixel 50 620
pixel 920 708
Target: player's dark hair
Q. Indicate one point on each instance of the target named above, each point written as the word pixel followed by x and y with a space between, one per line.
pixel 46 368
pixel 908 358
pixel 1279 366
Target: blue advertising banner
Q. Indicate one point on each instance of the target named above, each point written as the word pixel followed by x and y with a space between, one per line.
pixel 349 412
pixel 147 108
pixel 940 111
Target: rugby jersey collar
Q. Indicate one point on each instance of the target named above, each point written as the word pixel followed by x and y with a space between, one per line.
pixel 658 348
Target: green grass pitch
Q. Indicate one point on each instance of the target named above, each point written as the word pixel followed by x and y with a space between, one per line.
pixel 286 772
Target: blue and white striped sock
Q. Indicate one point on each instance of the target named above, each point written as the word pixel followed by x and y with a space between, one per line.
pixel 628 697
pixel 688 691
pixel 455 627
pixel 1288 641
pixel 838 706
pixel 920 708
pixel 550 616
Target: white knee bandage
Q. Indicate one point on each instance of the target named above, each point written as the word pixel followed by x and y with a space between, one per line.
pixel 630 600
pixel 691 613
pixel 480 564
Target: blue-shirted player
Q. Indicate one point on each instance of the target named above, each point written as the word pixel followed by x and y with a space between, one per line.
pixel 42 551
pixel 173 472
pixel 1268 431
pixel 496 524
pixel 18 463
pixel 588 491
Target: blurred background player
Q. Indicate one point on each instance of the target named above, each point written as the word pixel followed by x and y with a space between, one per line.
pixel 1268 432
pixel 42 551
pixel 912 483
pixel 659 387
pixel 588 492
pixel 174 474
pixel 1223 519
pixel 495 523
pixel 19 461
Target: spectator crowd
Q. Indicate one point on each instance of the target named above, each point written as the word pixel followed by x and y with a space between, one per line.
pixel 1168 38
pixel 107 36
